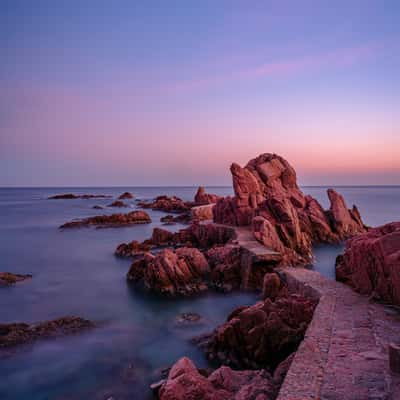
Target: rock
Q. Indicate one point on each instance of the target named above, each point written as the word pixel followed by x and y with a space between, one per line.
pixel 172 273
pixel 126 195
pixel 168 220
pixel 201 213
pixel 167 204
pixel 262 335
pixel 132 249
pixel 185 382
pixel 283 219
pixel 96 207
pixel 371 263
pixel 394 357
pixel 117 203
pixel 8 278
pixel 273 287
pixel 202 197
pixel 70 196
pixel 162 237
pixel 20 333
pixel 188 319
pixel 111 221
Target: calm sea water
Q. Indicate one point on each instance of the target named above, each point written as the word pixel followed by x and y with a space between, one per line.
pixel 76 273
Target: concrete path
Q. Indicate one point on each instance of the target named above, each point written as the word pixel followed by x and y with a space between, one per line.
pixel 344 355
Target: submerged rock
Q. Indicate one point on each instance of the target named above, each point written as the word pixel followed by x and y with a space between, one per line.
pixel 20 333
pixel 117 203
pixel 110 221
pixel 8 278
pixel 371 263
pixel 283 219
pixel 97 207
pixel 126 195
pixel 71 196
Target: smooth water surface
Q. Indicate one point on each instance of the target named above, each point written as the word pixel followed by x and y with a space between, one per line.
pixel 76 273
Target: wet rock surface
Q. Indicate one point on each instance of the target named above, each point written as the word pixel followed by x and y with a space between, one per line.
pixel 21 333
pixel 110 221
pixel 125 196
pixel 371 263
pixel 8 278
pixel 118 203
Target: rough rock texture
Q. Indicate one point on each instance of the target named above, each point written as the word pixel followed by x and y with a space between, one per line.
pixel 179 272
pixel 283 218
pixel 202 197
pixel 273 286
pixel 262 335
pixel 8 278
pixel 20 333
pixel 110 221
pixel 132 249
pixel 168 204
pixel 371 263
pixel 117 203
pixel 70 196
pixel 126 195
pixel 202 213
pixel 185 382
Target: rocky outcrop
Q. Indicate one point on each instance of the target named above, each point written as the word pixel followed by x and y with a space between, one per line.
pixel 268 198
pixel 8 278
pixel 202 198
pixel 185 382
pixel 262 335
pixel 371 263
pixel 117 203
pixel 20 333
pixel 71 196
pixel 172 273
pixel 132 249
pixel 125 196
pixel 110 221
pixel 167 204
pixel 202 213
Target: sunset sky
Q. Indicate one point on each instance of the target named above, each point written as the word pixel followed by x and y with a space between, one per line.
pixel 171 92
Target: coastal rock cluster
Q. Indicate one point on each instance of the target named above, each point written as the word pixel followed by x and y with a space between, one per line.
pixel 268 198
pixel 371 263
pixel 167 204
pixel 110 221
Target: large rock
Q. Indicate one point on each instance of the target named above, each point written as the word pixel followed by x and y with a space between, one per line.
pixel 371 263
pixel 268 198
pixel 262 335
pixel 172 273
pixel 202 197
pixel 202 213
pixel 20 333
pixel 185 382
pixel 111 221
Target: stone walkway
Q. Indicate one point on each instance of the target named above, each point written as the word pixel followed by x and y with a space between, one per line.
pixel 344 355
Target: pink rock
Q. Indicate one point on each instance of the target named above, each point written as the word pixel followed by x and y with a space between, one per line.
pixel 202 213
pixel 371 263
pixel 202 197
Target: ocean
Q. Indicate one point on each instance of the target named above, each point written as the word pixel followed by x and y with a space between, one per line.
pixel 76 273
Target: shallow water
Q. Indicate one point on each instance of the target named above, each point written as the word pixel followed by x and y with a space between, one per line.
pixel 76 273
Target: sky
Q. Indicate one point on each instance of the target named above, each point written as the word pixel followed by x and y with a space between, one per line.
pixel 114 93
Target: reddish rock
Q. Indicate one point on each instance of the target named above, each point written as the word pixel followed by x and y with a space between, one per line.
pixel 371 263
pixel 110 221
pixel 262 335
pixel 283 218
pixel 185 382
pixel 162 237
pixel 132 249
pixel 167 204
pixel 273 287
pixel 179 272
pixel 202 197
pixel 125 196
pixel 21 333
pixel 202 213
pixel 70 196
pixel 117 203
pixel 8 278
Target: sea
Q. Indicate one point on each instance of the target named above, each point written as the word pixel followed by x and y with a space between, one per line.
pixel 76 273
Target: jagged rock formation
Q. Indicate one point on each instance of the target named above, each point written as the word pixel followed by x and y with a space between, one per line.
pixel 167 204
pixel 202 198
pixel 110 221
pixel 371 263
pixel 268 198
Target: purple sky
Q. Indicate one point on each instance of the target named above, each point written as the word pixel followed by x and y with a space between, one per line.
pixel 171 92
